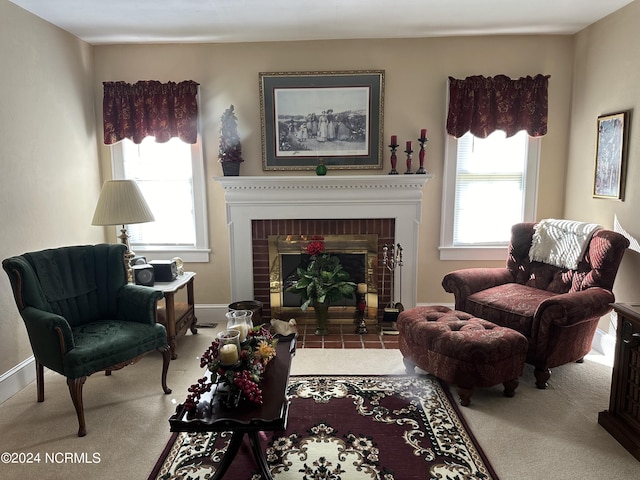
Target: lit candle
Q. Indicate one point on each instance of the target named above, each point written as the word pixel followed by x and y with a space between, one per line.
pixel 423 133
pixel 362 288
pixel 394 139
pixel 243 328
pixel 408 145
pixel 228 354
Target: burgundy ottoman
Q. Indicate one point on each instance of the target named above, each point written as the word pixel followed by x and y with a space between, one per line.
pixel 461 349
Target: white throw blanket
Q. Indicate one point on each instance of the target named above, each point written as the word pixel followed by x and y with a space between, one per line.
pixel 561 242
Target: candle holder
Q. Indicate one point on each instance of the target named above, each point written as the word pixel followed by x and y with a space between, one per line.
pixel 408 151
pixel 394 159
pixel 229 350
pixel 421 155
pixel 361 308
pixel 240 320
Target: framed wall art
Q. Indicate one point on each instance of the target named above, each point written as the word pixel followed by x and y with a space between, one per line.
pixel 331 117
pixel 611 152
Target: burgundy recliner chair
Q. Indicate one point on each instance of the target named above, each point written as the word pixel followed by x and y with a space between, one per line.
pixel 557 309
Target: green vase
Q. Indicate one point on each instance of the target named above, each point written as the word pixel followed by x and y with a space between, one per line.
pixel 322 316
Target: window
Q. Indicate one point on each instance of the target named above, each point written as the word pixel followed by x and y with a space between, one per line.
pixel 171 178
pixel 489 185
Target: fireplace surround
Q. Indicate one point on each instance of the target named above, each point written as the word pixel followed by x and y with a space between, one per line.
pixel 259 206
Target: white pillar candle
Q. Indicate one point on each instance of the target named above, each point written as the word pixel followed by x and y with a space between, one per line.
pixel 228 354
pixel 243 328
pixel 362 288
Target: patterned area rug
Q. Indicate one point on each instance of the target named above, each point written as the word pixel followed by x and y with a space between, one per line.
pixel 347 428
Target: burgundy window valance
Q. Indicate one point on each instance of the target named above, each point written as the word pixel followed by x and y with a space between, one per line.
pixel 481 105
pixel 150 108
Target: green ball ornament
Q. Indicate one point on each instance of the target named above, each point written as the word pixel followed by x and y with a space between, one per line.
pixel 321 169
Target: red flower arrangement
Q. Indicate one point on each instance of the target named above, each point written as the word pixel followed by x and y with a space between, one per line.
pixel 324 279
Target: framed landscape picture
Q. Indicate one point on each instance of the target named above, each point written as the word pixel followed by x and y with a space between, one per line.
pixel 611 152
pixel 331 117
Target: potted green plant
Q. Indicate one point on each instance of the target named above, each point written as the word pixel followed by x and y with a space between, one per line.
pixel 230 151
pixel 323 280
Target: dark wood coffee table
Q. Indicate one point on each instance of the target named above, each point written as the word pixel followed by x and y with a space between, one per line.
pixel 211 416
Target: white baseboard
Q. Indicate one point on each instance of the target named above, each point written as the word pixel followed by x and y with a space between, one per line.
pixel 604 343
pixel 17 378
pixel 208 314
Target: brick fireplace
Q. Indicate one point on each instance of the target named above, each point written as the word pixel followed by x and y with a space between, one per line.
pixel 386 205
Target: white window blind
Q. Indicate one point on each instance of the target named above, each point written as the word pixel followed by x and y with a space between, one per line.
pixel 163 173
pixel 489 194
pixel 489 185
pixel 171 178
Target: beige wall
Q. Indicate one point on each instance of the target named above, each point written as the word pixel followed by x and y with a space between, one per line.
pixel 416 76
pixel 52 172
pixel 606 79
pixel 50 178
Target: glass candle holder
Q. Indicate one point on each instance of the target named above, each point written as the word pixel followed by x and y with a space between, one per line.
pixel 240 320
pixel 229 352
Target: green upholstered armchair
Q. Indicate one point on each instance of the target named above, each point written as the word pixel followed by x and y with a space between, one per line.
pixel 81 315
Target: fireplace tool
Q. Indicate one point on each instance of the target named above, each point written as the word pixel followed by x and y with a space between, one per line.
pixel 384 269
pixel 391 259
pixel 399 262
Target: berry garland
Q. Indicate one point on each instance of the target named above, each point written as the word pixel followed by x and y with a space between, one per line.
pixel 243 381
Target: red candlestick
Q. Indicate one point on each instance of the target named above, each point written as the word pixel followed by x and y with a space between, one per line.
pixel 422 155
pixel 408 145
pixel 362 304
pixel 394 139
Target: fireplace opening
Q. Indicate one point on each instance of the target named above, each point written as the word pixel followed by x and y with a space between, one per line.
pixel 357 253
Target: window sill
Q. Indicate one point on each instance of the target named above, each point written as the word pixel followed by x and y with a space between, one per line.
pixel 474 253
pixel 187 256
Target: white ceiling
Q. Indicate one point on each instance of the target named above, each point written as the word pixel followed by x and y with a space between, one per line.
pixel 159 21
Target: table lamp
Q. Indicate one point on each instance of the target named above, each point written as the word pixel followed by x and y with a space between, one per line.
pixel 121 203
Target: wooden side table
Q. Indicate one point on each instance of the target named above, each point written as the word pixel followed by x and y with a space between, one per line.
pixel 622 420
pixel 211 416
pixel 177 316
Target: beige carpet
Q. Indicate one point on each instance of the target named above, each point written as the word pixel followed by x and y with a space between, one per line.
pixel 551 434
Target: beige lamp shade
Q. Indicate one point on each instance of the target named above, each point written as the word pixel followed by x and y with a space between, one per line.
pixel 121 203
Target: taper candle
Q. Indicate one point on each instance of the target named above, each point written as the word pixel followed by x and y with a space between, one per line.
pixel 394 139
pixel 408 145
pixel 423 133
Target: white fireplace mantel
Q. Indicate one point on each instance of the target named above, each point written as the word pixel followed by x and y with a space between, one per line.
pixel 329 197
